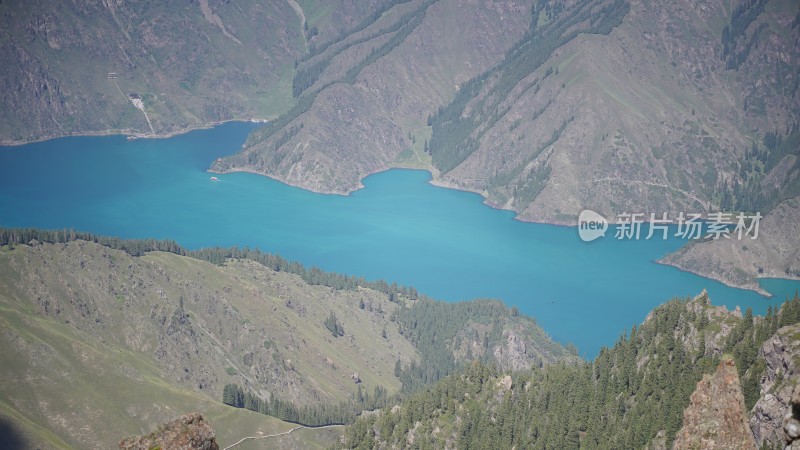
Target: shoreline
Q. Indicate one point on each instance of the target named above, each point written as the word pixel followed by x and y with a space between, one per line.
pixel 316 191
pixel 129 133
pixel 438 182
pixel 435 180
pixel 755 286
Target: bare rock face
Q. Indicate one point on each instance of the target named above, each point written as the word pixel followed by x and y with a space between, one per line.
pixel 189 432
pixel 715 417
pixel 514 354
pixel 791 422
pixel 780 353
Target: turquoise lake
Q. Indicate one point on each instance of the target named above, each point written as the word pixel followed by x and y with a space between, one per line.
pixel 444 242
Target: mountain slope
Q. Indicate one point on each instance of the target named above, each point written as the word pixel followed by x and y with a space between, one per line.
pixel 95 319
pixel 632 395
pixel 369 103
pixel 175 330
pixel 774 253
pixel 644 118
pixel 612 106
pixel 64 389
pixel 192 64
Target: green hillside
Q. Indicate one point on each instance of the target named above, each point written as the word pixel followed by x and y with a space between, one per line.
pixel 632 395
pixel 99 344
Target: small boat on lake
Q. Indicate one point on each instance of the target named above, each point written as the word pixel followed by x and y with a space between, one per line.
pixel 214 179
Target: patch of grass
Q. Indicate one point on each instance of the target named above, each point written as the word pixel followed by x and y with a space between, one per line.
pixel 415 157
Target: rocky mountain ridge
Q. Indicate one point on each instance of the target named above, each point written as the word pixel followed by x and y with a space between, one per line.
pixel 685 378
pixel 715 417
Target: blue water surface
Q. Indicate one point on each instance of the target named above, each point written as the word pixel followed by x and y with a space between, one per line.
pixel 444 242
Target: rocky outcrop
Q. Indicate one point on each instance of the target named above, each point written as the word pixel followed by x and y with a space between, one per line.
pixel 512 353
pixel 715 417
pixel 189 432
pixel 714 342
pixel 791 422
pixel 781 353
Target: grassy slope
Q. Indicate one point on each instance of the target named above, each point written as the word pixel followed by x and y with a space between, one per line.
pixel 98 344
pixel 78 393
pixel 67 377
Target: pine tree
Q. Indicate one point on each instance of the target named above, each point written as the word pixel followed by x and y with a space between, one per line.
pixel 229 395
pixel 333 325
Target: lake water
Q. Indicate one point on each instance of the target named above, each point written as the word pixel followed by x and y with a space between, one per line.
pixel 444 242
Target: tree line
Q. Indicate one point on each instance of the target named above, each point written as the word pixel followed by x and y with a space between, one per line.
pixel 436 329
pixel 735 32
pixel 313 415
pixel 306 75
pixel 215 255
pixel 315 49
